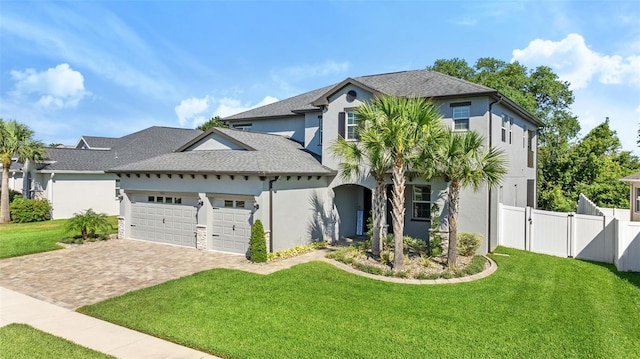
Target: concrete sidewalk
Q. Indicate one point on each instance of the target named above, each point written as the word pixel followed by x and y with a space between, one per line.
pixel 87 331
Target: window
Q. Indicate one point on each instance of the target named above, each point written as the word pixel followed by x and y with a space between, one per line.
pixel 228 203
pixel 637 199
pixel 239 204
pixel 319 129
pixel 117 188
pixel 422 202
pixel 461 118
pixel 163 199
pixel 242 126
pixel 505 122
pixel 510 129
pixel 352 126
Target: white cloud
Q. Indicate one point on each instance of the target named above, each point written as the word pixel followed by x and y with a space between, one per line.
pixel 575 62
pixel 58 87
pixel 230 106
pixel 196 111
pixel 192 109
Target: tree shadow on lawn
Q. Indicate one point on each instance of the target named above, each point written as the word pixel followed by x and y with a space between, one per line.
pixel 631 277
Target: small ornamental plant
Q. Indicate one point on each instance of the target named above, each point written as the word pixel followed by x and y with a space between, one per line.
pixel 257 243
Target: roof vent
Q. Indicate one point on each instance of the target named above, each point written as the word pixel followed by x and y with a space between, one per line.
pixel 351 95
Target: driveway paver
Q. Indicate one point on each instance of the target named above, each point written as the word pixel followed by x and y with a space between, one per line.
pixel 89 273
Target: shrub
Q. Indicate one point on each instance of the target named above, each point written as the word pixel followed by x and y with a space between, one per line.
pixel 13 195
pixel 88 223
pixel 435 246
pixel 468 243
pixel 257 243
pixel 24 210
pixel 295 251
pixel 386 257
pixel 414 245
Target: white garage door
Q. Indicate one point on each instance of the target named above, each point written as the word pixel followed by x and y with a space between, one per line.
pixel 232 224
pixel 164 223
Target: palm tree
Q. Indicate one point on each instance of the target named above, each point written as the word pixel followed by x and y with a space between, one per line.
pixel 463 161
pixel 88 223
pixel 367 156
pixel 15 140
pixel 408 129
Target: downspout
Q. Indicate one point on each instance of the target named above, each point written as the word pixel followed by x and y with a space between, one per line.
pixel 271 213
pixel 490 144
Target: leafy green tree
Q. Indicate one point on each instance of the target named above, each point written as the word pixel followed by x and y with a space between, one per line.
pixel 464 161
pixel 257 243
pixel 213 122
pixel 597 165
pixel 408 130
pixel 88 223
pixel 16 139
pixel 370 156
pixel 544 95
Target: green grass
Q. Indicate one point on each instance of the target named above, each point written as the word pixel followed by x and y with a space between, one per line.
pixel 18 239
pixel 533 306
pixel 22 341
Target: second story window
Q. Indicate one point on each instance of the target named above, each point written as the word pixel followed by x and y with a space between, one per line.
pixel 352 126
pixel 461 118
pixel 505 123
pixel 510 129
pixel 242 126
pixel 319 129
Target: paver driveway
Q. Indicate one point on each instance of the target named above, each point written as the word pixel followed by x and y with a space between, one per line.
pixel 93 272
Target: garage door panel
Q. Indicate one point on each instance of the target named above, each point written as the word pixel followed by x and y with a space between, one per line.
pixel 164 223
pixel 232 224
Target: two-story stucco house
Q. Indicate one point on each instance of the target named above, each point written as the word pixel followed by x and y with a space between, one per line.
pixel 275 164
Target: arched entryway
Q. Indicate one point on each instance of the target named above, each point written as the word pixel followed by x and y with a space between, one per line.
pixel 353 203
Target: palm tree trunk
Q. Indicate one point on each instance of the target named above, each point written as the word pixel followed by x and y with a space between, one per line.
pixel 379 199
pixel 4 198
pixel 454 205
pixel 397 204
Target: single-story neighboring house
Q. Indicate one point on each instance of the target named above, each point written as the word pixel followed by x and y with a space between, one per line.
pixel 275 164
pixel 634 195
pixel 74 179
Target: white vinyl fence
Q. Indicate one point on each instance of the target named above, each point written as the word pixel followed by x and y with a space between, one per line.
pixel 591 237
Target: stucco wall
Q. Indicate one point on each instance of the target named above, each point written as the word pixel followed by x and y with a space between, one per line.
pixel 292 127
pixel 312 132
pixel 72 193
pixel 338 103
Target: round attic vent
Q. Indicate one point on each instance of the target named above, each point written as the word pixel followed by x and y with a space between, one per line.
pixel 351 95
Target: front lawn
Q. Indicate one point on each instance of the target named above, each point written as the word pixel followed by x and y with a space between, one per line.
pixel 18 239
pixel 22 341
pixel 533 306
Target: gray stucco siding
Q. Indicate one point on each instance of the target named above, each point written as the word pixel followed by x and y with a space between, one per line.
pixel 70 193
pixel 291 127
pixel 338 103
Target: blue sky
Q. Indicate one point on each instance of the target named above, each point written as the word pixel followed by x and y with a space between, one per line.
pixel 108 68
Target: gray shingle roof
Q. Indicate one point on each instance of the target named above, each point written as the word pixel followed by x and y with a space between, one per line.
pixel 150 142
pixel 631 178
pixel 417 83
pixel 273 155
pixel 285 107
pixel 100 142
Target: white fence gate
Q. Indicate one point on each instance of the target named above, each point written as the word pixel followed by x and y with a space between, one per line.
pixel 590 237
